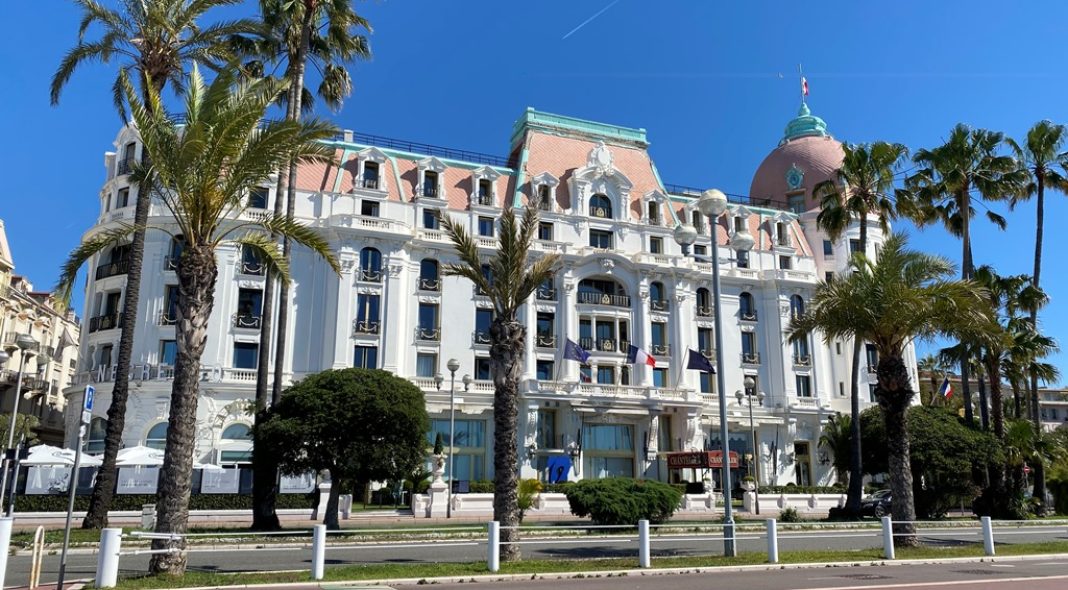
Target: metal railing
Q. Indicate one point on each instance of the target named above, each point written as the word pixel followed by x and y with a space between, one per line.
pixel 604 344
pixel 483 200
pixel 543 294
pixel 704 311
pixel 545 340
pixel 248 267
pixel 708 353
pixel 426 284
pixel 599 212
pixel 371 183
pixel 171 262
pixel 428 190
pixel 594 298
pixel 124 166
pixel 480 337
pixel 248 321
pixel 751 358
pixel 427 149
pixel 105 322
pixel 660 349
pixel 803 360
pixel 748 315
pixel 659 304
pixel 428 334
pixel 166 319
pixel 119 267
pixel 366 326
pixel 369 275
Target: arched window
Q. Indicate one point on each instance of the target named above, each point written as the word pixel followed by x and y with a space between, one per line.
pixel 657 299
pixel 428 275
pixel 797 306
pixel 745 307
pixel 371 265
pixel 600 206
pixel 704 303
pixel 602 292
pixel 97 431
pixel 237 432
pixel 157 436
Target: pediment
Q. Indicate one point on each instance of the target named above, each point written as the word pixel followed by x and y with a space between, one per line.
pixel 432 163
pixel 486 172
pixel 372 154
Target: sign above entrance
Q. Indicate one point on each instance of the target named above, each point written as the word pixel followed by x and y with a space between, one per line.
pixel 699 460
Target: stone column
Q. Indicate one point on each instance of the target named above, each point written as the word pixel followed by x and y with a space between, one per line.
pixel 396 329
pixel 346 297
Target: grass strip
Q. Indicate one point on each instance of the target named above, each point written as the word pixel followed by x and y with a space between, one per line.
pixel 355 573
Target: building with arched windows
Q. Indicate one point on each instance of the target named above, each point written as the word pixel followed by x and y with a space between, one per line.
pixel 623 282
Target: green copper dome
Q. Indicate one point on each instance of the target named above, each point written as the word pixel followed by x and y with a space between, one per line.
pixel 804 125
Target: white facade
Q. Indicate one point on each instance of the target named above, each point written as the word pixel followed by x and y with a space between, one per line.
pixel 388 310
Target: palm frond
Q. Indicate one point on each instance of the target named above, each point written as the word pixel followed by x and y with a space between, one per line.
pixel 267 252
pixel 83 253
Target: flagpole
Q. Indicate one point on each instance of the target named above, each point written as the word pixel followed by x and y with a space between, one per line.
pixel 801 79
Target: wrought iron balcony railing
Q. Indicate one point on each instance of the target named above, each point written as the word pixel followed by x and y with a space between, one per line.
pixel 659 304
pixel 366 326
pixel 427 284
pixel 603 299
pixel 544 294
pixel 248 267
pixel 604 344
pixel 660 349
pixel 369 275
pixel 544 340
pixel 751 358
pixel 748 315
pixel 248 321
pixel 167 319
pixel 803 360
pixel 119 267
pixel 105 322
pixel 371 183
pixel 480 337
pixel 124 166
pixel 428 334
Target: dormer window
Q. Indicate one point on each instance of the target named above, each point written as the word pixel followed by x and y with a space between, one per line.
pixel 370 175
pixel 543 191
pixel 430 184
pixel 600 207
pixel 484 186
pixel 653 210
pixel 739 224
pixel 782 235
pixel 544 201
pixel 698 221
pixel 485 192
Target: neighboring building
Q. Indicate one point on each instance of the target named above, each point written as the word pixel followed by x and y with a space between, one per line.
pixel 52 366
pixel 623 280
pixel 1052 403
pixel 1053 408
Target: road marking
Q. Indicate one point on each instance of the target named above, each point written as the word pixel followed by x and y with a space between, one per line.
pixel 1001 565
pixel 937 584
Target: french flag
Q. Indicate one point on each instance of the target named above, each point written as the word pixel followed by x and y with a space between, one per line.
pixel 637 356
pixel 946 390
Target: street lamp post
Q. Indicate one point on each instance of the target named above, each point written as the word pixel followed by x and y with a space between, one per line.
pixel 712 204
pixel 25 343
pixel 453 365
pixel 750 384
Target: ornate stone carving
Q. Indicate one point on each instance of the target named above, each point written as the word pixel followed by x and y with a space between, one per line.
pixel 600 159
pixel 395 269
pixel 607 264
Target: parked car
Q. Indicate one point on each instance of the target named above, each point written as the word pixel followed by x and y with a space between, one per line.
pixel 877 504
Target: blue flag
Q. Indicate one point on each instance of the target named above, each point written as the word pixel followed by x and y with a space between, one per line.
pixel 699 362
pixel 574 352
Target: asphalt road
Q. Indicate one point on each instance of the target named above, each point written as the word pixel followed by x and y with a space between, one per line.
pixel 295 558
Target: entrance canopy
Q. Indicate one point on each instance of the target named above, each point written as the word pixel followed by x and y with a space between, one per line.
pixel 700 460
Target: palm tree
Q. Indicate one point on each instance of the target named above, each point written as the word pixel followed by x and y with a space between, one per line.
pixel 891 302
pixel 509 279
pixel 862 187
pixel 836 438
pixel 965 170
pixel 155 40
pixel 326 34
pixel 202 170
pixel 934 367
pixel 1041 152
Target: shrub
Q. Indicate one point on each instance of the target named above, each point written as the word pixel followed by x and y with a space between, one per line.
pixel 557 488
pixel 795 489
pixel 480 487
pixel 528 493
pixel 58 503
pixel 620 500
pixel 790 515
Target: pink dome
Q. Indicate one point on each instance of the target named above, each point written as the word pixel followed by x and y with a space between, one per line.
pixel 805 157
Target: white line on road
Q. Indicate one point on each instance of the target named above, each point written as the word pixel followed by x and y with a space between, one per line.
pixel 936 584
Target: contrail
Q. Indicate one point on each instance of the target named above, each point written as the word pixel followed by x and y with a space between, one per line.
pixel 587 21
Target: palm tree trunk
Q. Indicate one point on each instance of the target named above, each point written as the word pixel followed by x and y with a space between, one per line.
pixel 197 272
pixel 1040 214
pixel 106 478
pixel 507 338
pixel 984 414
pixel 855 492
pixel 997 407
pixel 1016 399
pixel 894 393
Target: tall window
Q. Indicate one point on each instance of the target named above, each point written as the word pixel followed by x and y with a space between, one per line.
pixel 546 332
pixel 168 351
pixel 369 208
pixel 609 450
pixel 746 309
pixel 704 303
pixel 854 246
pixel 546 429
pixel 468 439
pixel 157 436
pixel 749 348
pixel 606 375
pixel 600 239
pixel 426 364
pixel 482 368
pixel 872 356
pixel 706 341
pixel 600 206
pixel 257 198
pixel 123 199
pixel 707 382
pixel 170 306
pixel 657 298
pixel 428 322
pixel 246 355
pixel 249 308
pixel 370 175
pixel 653 210
pixel 367 313
pixel 828 248
pixel 431 219
pixel 175 253
pixel 797 306
pixel 698 221
pixel 804 386
pixel 801 353
pixel 371 265
pixel 486 226
pixel 785 262
pixel 428 275
pixel 430 183
pixel 796 203
pixel 659 332
pixel 483 319
pixel 742 258
pixel 660 377
pixel 545 231
pixel 365 357
pixel 545 370
pixel 251 262
pixel 656 245
pixel 485 192
pixel 98 429
pixel 544 200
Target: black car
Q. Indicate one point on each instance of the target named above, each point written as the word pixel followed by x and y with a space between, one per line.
pixel 877 504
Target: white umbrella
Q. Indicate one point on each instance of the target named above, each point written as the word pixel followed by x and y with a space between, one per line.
pixel 139 456
pixel 49 455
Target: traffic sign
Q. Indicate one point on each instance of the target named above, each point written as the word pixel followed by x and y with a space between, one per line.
pixel 87 417
pixel 87 404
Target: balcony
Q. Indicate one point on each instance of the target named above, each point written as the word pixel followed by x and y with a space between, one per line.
pixel 660 349
pixel 369 275
pixel 594 298
pixel 543 340
pixel 248 321
pixel 704 311
pixel 111 269
pixel 170 263
pixel 250 267
pixel 124 166
pixel 600 212
pixel 604 344
pixel 750 358
pixel 748 315
pixel 428 191
pixel 659 305
pixel 543 294
pixel 483 200
pixel 783 241
pixel 167 319
pixel 361 327
pixel 426 284
pixel 371 183
pixel 105 322
pixel 802 360
pixel 428 334
pixel 708 353
pixel 480 337
pixel 48 351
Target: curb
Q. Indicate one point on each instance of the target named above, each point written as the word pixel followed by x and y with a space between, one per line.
pixel 629 572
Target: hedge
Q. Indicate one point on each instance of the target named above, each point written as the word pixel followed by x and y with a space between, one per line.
pixel 58 503
pixel 802 489
pixel 622 500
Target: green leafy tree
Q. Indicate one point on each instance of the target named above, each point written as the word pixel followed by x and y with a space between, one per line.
pixel 862 188
pixel 154 41
pixel 891 302
pixel 837 438
pixel 201 170
pixel 311 429
pixel 967 169
pixel 328 35
pixel 509 278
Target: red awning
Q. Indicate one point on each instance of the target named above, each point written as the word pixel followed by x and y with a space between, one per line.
pixel 699 460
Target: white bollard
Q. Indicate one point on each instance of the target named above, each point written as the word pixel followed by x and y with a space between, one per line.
pixel 5 544
pixel 773 541
pixel 643 544
pixel 888 538
pixel 107 560
pixel 988 535
pixel 318 551
pixel 493 557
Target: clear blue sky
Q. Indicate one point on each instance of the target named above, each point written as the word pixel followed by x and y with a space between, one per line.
pixel 702 77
